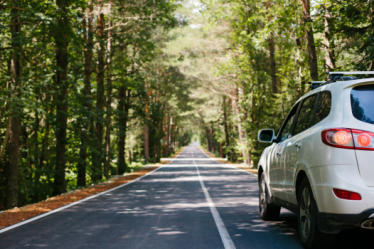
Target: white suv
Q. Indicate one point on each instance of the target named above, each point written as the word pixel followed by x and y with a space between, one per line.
pixel 321 163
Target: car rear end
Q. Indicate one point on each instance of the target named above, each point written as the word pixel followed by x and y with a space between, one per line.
pixel 345 190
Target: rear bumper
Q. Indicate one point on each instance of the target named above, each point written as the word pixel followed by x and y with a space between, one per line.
pixel 346 177
pixel 333 223
pixel 335 213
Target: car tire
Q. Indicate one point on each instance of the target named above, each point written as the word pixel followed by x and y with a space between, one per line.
pixel 268 211
pixel 310 235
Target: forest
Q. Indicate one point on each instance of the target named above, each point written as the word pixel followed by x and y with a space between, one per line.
pixel 95 88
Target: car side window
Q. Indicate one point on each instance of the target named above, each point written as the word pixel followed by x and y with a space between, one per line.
pixel 305 118
pixel 323 106
pixel 287 127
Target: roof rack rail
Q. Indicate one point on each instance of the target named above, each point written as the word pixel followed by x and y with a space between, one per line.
pixel 316 84
pixel 334 76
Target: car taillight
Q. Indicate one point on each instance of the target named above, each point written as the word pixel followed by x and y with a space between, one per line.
pixel 341 138
pixel 347 195
pixel 348 138
pixel 363 139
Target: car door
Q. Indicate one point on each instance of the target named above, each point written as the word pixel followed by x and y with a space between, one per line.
pixel 297 145
pixel 276 171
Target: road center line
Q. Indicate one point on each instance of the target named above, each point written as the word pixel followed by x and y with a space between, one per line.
pixel 226 239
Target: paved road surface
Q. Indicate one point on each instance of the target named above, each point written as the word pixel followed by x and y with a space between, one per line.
pixel 186 204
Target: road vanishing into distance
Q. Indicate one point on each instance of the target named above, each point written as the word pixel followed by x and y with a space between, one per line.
pixel 192 202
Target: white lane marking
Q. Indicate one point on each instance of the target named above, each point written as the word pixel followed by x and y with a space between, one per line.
pixel 72 204
pixel 226 239
pixel 188 159
pixel 75 203
pixel 172 165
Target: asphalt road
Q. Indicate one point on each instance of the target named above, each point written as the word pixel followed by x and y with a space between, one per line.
pixel 195 203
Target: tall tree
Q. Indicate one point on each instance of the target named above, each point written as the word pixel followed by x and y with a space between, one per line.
pixel 108 95
pixel 226 129
pixel 98 151
pixel 124 96
pixel 61 35
pixel 329 41
pixel 272 62
pixel 87 99
pixel 308 22
pixel 14 119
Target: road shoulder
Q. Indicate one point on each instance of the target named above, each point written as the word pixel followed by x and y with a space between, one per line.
pixel 236 165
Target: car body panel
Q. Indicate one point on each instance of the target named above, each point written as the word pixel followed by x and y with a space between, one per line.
pixel 290 161
pixel 275 171
pixel 364 158
pixel 325 178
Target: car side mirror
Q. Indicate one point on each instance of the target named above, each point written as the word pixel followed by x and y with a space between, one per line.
pixel 266 135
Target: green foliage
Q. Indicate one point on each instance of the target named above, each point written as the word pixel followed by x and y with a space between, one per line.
pixel 134 29
pixel 187 71
pixel 243 75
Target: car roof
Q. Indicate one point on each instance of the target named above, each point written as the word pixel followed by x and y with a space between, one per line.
pixel 338 85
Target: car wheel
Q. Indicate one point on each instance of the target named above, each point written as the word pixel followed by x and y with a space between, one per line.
pixel 268 211
pixel 310 235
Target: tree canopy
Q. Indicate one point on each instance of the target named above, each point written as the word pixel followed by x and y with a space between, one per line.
pixel 91 88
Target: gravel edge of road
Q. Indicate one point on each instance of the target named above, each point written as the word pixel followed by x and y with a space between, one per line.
pixel 18 215
pixel 238 166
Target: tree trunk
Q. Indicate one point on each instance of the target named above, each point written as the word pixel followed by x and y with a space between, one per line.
pixel 211 137
pixel 46 136
pixel 161 131
pixel 6 139
pixel 43 152
pixel 97 172
pixel 123 113
pixel 273 64
pixel 35 138
pixel 236 107
pixel 108 100
pixel 36 150
pixel 220 144
pixel 174 135
pixel 88 38
pixel 62 41
pixel 329 42
pixel 146 143
pixel 146 128
pixel 227 136
pixel 220 150
pixel 12 188
pixel 207 131
pixel 121 130
pixel 240 130
pixel 168 136
pixel 310 39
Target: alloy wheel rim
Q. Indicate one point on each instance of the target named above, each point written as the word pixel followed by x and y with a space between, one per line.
pixel 305 215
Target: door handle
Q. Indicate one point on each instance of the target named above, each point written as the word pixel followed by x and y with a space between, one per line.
pixel 298 145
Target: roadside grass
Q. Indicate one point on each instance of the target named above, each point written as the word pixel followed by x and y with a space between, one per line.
pixel 242 166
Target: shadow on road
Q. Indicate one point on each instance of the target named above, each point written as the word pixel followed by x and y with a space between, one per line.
pixel 168 209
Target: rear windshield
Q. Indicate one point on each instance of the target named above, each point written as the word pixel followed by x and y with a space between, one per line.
pixel 362 102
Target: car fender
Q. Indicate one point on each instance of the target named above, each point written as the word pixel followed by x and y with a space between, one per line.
pixel 263 162
pixel 302 167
